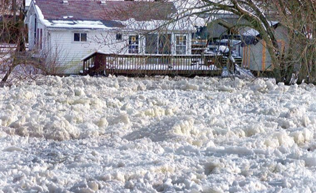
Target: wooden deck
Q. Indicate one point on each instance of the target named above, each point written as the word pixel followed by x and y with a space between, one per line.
pixel 141 65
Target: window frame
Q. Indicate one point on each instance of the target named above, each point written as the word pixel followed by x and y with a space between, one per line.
pixel 181 45
pixel 161 45
pixel 41 39
pixel 82 35
pixel 118 36
pixel 133 48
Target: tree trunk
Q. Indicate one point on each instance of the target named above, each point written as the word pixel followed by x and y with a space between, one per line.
pixel 20 43
pixel 5 78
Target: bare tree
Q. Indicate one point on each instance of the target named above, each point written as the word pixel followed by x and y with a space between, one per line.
pixel 12 33
pixel 300 19
pixel 13 55
pixel 298 16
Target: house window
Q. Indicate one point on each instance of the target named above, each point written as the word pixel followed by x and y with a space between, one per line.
pixel 118 36
pixel 37 41
pixel 133 44
pixel 151 44
pixel 80 37
pixel 41 39
pixel 158 44
pixel 35 30
pixel 181 44
pixel 164 44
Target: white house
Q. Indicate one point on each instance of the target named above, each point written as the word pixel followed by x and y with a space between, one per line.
pixel 64 31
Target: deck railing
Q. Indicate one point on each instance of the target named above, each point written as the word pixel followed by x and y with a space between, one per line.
pixel 138 65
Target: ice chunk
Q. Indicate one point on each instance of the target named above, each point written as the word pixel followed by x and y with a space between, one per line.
pixel 79 92
pixel 60 130
pixel 103 122
pixel 184 127
pixel 310 161
pixel 284 139
pixel 12 148
pixel 302 136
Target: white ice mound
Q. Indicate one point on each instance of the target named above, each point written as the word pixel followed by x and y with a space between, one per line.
pixel 184 127
pixel 60 129
pixel 259 85
pixel 279 139
pixel 302 136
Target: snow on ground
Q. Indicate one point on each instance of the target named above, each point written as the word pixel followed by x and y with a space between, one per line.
pixel 86 134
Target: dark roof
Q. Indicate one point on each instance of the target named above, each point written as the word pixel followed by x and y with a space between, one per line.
pixel 112 10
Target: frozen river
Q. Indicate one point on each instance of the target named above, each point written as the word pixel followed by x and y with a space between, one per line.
pixel 118 134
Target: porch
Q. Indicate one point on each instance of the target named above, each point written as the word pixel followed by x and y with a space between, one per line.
pixel 147 64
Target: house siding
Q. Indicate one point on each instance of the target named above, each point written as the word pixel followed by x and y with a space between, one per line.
pixel 68 54
pixel 259 58
pixel 38 43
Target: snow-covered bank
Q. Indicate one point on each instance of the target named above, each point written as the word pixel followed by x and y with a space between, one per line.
pixel 84 134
